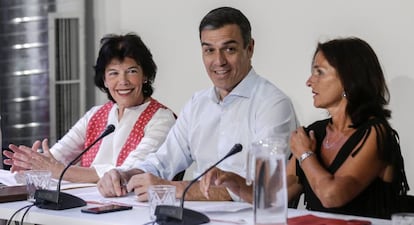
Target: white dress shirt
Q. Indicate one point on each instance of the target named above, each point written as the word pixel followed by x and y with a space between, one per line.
pixel 207 128
pixel 155 132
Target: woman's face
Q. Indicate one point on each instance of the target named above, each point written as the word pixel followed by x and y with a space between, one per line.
pixel 326 86
pixel 124 80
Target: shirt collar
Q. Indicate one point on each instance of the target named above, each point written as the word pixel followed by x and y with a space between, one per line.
pixel 133 108
pixel 243 89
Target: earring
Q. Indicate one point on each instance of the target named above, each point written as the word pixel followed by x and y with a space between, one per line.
pixel 344 94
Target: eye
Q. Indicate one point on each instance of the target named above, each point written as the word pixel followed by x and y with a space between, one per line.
pixel 112 73
pixel 230 49
pixel 132 71
pixel 208 50
pixel 317 71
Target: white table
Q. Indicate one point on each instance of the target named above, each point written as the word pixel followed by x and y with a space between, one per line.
pixel 138 215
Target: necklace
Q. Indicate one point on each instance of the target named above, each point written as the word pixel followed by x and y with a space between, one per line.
pixel 333 142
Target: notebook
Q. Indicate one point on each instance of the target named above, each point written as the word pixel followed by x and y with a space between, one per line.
pixel 13 193
pixel 316 220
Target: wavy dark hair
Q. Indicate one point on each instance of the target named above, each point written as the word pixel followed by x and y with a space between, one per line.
pixel 222 16
pixel 119 47
pixel 361 75
pixel 364 84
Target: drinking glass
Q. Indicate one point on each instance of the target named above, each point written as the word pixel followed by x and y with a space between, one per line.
pixel 36 180
pixel 160 195
pixel 266 169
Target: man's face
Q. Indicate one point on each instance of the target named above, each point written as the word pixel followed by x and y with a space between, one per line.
pixel 226 59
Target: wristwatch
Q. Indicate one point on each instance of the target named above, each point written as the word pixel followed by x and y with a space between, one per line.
pixel 304 156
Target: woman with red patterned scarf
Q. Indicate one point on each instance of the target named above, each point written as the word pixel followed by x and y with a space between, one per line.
pixel 125 71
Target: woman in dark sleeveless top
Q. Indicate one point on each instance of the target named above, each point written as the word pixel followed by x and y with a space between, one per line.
pixel 350 163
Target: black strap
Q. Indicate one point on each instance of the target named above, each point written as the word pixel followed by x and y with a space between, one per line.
pixel 348 147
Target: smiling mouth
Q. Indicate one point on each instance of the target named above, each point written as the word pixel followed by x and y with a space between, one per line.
pixel 221 72
pixel 124 92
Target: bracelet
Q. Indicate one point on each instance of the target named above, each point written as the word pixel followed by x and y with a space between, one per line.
pixel 304 156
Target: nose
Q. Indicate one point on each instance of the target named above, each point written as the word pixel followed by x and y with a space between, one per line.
pixel 309 82
pixel 123 79
pixel 220 58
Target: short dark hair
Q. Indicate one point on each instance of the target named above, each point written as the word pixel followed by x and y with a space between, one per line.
pixel 361 75
pixel 222 16
pixel 119 47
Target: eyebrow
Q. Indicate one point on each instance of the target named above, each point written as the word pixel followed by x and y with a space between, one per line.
pixel 225 43
pixel 316 65
pixel 131 67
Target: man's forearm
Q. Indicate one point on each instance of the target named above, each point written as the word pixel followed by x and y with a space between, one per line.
pixel 194 193
pixel 129 173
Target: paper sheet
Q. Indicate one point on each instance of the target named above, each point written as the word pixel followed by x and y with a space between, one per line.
pixel 8 178
pixel 12 179
pixel 216 206
pixel 94 197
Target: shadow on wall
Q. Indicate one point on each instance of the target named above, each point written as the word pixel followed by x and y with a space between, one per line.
pixel 402 91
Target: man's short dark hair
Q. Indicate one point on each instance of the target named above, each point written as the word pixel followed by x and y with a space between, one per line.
pixel 222 16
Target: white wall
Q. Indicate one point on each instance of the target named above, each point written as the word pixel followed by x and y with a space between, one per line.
pixel 286 33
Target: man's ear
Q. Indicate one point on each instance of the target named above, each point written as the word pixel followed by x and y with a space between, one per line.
pixel 250 48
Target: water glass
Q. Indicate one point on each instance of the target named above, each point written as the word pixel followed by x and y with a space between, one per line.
pixel 266 169
pixel 36 180
pixel 160 195
pixel 402 219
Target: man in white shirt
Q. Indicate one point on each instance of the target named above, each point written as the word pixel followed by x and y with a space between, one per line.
pixel 241 107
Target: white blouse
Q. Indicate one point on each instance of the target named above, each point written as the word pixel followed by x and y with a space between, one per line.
pixel 72 144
